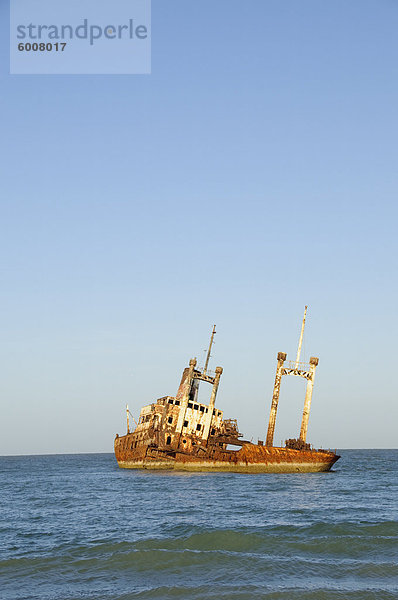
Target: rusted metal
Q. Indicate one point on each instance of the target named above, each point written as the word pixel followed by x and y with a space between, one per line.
pixel 297 444
pixel 308 395
pixel 185 391
pixel 209 417
pixel 275 399
pixel 178 432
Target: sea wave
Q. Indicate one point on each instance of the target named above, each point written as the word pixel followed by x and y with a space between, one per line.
pixel 336 559
pixel 80 529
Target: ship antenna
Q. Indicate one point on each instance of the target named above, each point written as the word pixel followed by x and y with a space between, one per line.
pixel 300 340
pixel 209 350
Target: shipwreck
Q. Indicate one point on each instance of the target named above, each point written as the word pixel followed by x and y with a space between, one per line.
pixel 178 432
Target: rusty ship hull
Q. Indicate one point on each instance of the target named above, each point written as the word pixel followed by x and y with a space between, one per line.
pixel 251 458
pixel 180 433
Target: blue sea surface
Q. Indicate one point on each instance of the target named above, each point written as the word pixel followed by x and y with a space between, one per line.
pixel 78 527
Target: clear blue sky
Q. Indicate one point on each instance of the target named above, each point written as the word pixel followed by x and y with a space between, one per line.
pixel 254 171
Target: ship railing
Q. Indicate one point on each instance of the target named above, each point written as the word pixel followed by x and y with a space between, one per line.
pixel 209 373
pixel 300 366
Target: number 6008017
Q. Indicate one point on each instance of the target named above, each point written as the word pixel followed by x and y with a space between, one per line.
pixel 42 47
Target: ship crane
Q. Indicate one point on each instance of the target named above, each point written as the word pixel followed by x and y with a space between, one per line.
pixel 298 369
pixel 209 351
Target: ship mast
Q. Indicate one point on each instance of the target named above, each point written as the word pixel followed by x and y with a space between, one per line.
pixel 128 418
pixel 209 351
pixel 300 340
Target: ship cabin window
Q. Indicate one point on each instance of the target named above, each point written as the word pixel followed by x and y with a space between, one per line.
pixel 190 405
pixel 214 411
pixel 207 410
pixel 219 414
pixel 185 423
pixel 170 401
pixel 196 407
pixel 213 431
pixel 198 427
pixel 168 441
pixel 202 409
pixel 177 403
pixel 184 441
pixel 170 419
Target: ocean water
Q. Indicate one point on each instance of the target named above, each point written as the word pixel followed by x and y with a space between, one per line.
pixel 78 527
